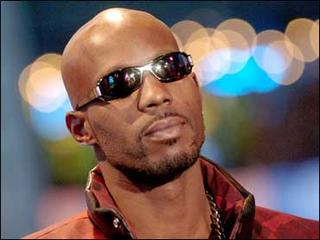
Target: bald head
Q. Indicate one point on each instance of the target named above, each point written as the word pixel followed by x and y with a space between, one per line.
pixel 112 39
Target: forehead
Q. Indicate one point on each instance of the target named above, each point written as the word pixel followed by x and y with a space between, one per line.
pixel 130 46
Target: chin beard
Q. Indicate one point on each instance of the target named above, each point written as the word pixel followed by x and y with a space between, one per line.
pixel 148 175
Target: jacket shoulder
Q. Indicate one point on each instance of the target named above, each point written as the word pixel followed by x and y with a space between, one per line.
pixel 76 227
pixel 273 224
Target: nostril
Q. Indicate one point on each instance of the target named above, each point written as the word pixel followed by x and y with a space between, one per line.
pixel 152 105
pixel 166 101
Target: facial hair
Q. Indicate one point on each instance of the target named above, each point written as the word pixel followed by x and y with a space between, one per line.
pixel 149 174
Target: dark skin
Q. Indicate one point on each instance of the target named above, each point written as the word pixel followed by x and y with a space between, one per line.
pixel 173 208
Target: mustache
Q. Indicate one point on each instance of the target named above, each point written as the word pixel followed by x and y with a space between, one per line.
pixel 160 116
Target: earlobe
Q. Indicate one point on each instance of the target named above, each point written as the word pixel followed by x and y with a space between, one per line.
pixel 79 128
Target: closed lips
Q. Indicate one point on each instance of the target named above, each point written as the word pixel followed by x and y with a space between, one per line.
pixel 163 124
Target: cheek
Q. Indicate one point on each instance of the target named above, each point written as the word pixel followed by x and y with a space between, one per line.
pixel 195 114
pixel 189 100
pixel 110 128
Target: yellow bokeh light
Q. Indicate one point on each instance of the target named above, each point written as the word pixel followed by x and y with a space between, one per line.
pixel 240 26
pixel 298 31
pixel 262 41
pixel 239 50
pixel 46 82
pixel 25 76
pixel 198 34
pixel 212 57
pixel 199 48
pixel 267 37
pixel 53 59
pixel 41 85
pixel 184 29
pixel 293 69
pixel 314 37
pixel 220 55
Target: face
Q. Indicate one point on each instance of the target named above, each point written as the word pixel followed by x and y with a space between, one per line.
pixel 156 132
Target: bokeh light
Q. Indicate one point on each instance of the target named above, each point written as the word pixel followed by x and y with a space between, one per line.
pixel 251 79
pixel 240 26
pixel 261 42
pixel 199 48
pixel 280 54
pixel 53 59
pixel 41 87
pixel 200 33
pixel 239 51
pixel 298 31
pixel 184 29
pixel 284 69
pixel 216 62
pixel 277 56
pixel 314 37
pixel 51 125
pixel 224 51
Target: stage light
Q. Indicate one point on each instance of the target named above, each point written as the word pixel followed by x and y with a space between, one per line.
pixel 298 31
pixel 200 33
pixel 184 29
pixel 251 79
pixel 41 87
pixel 240 26
pixel 239 51
pixel 314 37
pixel 41 84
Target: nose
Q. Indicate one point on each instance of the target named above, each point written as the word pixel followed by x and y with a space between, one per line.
pixel 153 94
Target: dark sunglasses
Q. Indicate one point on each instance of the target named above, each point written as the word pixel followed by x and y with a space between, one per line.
pixel 121 83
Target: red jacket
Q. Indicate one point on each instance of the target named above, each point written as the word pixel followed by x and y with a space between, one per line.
pixel 241 218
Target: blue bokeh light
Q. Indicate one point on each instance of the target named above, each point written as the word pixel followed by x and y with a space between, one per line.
pixel 51 125
pixel 249 80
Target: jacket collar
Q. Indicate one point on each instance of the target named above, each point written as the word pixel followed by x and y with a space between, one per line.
pixel 236 204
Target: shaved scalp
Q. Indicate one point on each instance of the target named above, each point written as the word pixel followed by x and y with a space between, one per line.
pixel 101 38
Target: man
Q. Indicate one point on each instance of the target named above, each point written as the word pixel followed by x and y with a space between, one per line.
pixel 138 103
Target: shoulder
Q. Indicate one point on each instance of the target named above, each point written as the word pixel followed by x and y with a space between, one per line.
pixel 273 224
pixel 76 227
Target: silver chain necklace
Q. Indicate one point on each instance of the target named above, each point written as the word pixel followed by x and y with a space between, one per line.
pixel 217 231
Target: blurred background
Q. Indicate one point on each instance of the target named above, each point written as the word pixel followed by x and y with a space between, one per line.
pixel 258 65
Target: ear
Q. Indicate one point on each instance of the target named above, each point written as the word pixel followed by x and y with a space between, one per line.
pixel 80 128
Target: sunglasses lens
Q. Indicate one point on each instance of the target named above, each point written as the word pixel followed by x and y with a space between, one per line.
pixel 110 84
pixel 120 83
pixel 172 67
pixel 130 80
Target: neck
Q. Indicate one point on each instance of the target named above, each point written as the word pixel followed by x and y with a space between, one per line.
pixel 177 209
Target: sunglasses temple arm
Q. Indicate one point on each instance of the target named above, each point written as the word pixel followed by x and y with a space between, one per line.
pixel 95 93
